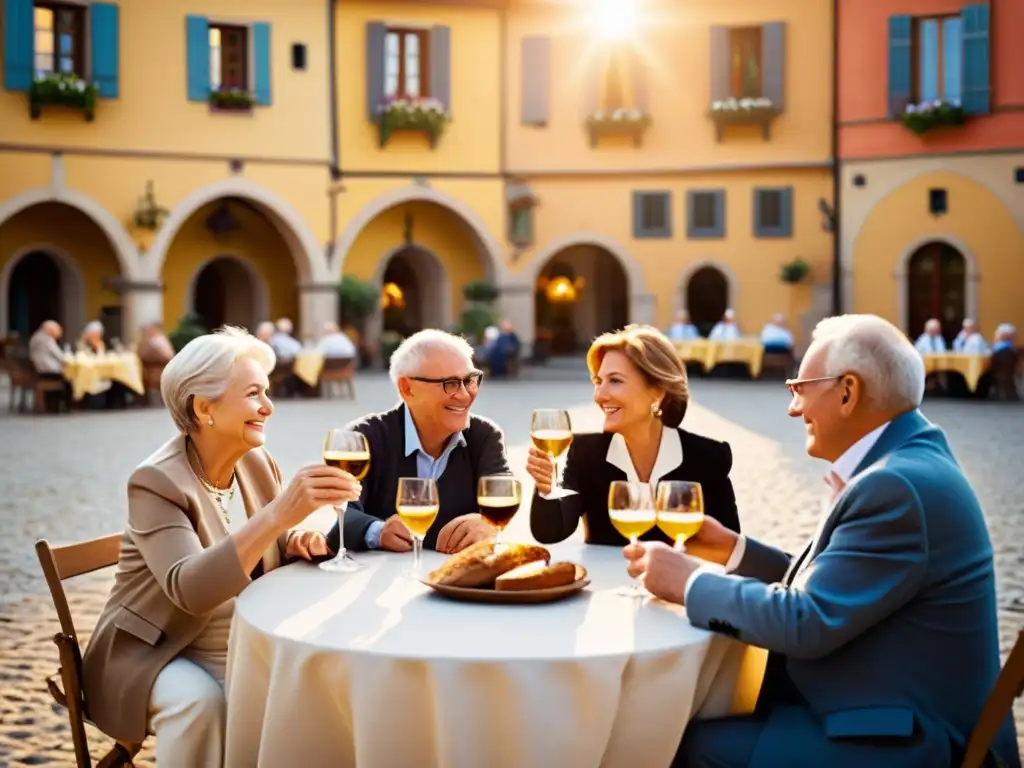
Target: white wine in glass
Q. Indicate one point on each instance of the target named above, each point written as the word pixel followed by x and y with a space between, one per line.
pixel 680 509
pixel 551 432
pixel 631 511
pixel 417 505
pixel 347 450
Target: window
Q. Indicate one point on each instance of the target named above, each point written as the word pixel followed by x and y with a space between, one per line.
pixel 229 57
pixel 771 209
pixel 936 59
pixel 773 212
pixel 745 63
pixel 652 214
pixel 405 59
pixel 705 213
pixel 59 39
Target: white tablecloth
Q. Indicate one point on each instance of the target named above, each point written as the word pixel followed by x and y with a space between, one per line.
pixel 375 670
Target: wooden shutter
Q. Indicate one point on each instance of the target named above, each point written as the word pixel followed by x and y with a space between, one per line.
pixel 376 32
pixel 261 63
pixel 19 45
pixel 441 65
pixel 773 63
pixel 900 84
pixel 977 84
pixel 641 90
pixel 536 80
pixel 197 46
pixel 721 87
pixel 104 42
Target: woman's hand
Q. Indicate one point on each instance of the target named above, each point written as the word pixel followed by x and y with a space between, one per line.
pixel 314 487
pixel 541 467
pixel 306 545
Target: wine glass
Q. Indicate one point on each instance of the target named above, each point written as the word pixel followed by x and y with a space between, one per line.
pixel 551 432
pixel 632 513
pixel 680 510
pixel 347 450
pixel 498 497
pixel 417 505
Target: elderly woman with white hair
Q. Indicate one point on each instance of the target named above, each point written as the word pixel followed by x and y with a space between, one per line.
pixel 207 513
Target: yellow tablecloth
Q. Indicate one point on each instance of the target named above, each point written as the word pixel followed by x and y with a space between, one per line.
pixel 748 351
pixel 308 365
pixel 86 372
pixel 971 367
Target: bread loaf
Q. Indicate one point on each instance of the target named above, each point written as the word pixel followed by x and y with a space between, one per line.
pixel 536 575
pixel 479 564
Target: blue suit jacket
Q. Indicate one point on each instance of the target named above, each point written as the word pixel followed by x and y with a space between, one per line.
pixel 886 620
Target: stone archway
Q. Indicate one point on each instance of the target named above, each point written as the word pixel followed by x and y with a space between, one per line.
pixel 423 298
pixel 706 289
pixel 41 283
pixel 936 287
pixel 227 290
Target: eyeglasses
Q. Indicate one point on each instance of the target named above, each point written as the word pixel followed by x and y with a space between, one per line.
pixel 451 385
pixel 796 386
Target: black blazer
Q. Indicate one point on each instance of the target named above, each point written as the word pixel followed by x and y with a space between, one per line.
pixel 588 472
pixel 483 454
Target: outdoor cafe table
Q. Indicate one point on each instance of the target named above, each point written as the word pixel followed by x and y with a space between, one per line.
pixel 374 669
pixel 85 372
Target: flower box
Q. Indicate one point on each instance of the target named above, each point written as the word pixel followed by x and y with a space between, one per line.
pixel 427 115
pixel 62 90
pixel 618 122
pixel 929 115
pixel 728 112
pixel 232 99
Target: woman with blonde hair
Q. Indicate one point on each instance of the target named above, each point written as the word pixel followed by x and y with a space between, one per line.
pixel 640 385
pixel 207 513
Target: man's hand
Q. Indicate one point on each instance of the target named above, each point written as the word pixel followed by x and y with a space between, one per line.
pixel 462 532
pixel 664 570
pixel 394 536
pixel 712 542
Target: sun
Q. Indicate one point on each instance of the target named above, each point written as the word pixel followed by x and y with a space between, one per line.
pixel 614 19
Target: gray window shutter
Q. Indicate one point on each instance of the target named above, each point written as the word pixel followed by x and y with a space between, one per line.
pixel 592 83
pixel 641 90
pixel 441 65
pixel 721 88
pixel 376 31
pixel 773 64
pixel 536 80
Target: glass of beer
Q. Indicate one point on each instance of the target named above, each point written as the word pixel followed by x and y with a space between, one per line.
pixel 498 497
pixel 417 505
pixel 631 511
pixel 347 450
pixel 680 509
pixel 551 432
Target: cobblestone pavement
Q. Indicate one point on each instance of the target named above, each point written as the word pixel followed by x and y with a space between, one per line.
pixel 63 478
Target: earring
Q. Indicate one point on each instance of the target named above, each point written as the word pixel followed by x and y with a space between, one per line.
pixel 655 408
pixel 209 420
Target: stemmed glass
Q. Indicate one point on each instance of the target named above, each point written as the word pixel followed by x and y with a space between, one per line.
pixel 679 505
pixel 347 450
pixel 632 513
pixel 498 497
pixel 551 432
pixel 417 505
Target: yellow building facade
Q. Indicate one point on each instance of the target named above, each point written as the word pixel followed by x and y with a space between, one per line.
pixel 598 168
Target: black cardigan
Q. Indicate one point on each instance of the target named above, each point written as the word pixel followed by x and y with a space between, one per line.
pixel 588 472
pixel 483 454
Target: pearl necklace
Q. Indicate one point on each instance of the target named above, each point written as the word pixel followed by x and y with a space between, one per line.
pixel 221 496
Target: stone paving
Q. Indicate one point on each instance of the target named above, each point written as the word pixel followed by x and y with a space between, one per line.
pixel 63 478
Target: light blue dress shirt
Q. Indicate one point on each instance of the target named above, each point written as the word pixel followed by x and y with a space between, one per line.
pixel 426 467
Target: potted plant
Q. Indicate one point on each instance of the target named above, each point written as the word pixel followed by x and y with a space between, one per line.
pixel 480 291
pixel 427 115
pixel 231 99
pixel 929 115
pixel 189 327
pixel 389 341
pixel 795 271
pixel 62 89
pixel 618 122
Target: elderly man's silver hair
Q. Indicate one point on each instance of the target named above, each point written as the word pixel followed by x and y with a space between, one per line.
pixel 877 351
pixel 408 359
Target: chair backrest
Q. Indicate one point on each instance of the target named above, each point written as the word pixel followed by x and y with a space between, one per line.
pixel 1009 686
pixel 70 560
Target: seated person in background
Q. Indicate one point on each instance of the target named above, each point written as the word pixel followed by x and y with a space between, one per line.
pixel 92 338
pixel 265 332
pixel 682 329
pixel 100 394
pixel 154 347
pixel 931 341
pixel 430 434
pixel 285 346
pixel 969 341
pixel 47 358
pixel 207 514
pixel 335 344
pixel 726 329
pixel 504 349
pixel 641 386
pixel 1006 338
pixel 775 336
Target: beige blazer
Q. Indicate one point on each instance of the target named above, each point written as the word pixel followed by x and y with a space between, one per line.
pixel 170 576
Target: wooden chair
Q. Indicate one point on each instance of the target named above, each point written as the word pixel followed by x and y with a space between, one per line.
pixel 1009 686
pixel 151 373
pixel 58 564
pixel 25 380
pixel 338 369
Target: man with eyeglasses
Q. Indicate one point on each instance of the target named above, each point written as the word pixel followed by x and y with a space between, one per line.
pixel 430 434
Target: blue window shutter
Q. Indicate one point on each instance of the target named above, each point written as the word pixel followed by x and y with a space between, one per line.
pixel 261 63
pixel 900 46
pixel 104 23
pixel 720 213
pixel 721 85
pixel 441 65
pixel 376 33
pixel 197 57
pixel 773 54
pixel 977 85
pixel 786 230
pixel 19 45
pixel 638 214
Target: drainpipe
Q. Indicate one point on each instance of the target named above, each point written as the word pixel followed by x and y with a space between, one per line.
pixel 332 119
pixel 837 256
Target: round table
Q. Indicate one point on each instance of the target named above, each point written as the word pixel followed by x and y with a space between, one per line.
pixel 374 669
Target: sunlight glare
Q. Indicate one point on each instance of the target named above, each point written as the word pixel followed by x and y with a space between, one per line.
pixel 614 19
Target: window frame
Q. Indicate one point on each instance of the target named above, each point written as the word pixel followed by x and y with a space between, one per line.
pixel 785 227
pixel 915 54
pixel 423 35
pixel 80 57
pixel 642 232
pixel 248 86
pixel 695 232
pixel 734 34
